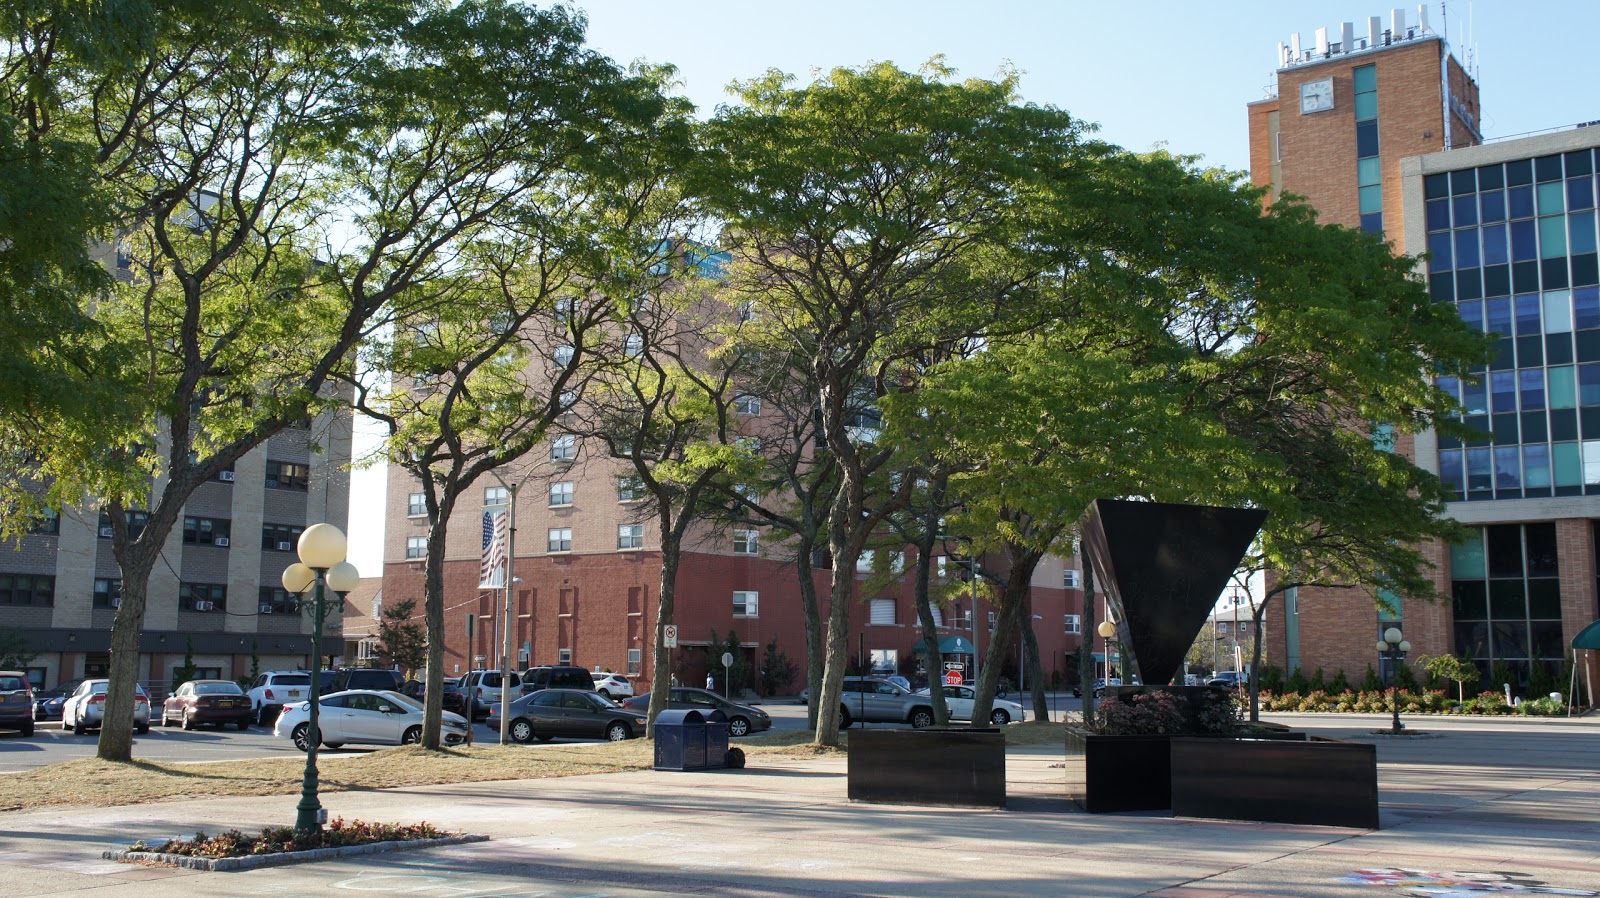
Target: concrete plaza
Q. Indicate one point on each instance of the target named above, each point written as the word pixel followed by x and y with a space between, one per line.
pixel 1479 805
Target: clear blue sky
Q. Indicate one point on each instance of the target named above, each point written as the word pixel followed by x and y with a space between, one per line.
pixel 1159 71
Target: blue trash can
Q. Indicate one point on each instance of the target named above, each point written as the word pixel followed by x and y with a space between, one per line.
pixel 716 740
pixel 681 740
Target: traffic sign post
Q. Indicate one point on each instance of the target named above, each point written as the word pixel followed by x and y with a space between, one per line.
pixel 727 672
pixel 952 678
pixel 669 636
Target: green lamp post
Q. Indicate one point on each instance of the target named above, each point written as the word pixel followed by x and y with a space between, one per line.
pixel 321 550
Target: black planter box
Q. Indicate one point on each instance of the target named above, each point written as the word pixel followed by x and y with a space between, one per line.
pixel 1318 781
pixel 1119 773
pixel 956 767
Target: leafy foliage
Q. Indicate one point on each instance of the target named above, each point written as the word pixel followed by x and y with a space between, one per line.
pixel 400 639
pixel 279 839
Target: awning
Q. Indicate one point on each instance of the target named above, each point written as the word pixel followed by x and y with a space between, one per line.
pixel 949 645
pixel 1588 638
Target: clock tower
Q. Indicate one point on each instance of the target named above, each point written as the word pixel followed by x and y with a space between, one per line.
pixel 1350 106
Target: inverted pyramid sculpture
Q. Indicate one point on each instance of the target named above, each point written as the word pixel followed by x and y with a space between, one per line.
pixel 1162 567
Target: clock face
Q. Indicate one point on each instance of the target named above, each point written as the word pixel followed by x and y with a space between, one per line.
pixel 1316 96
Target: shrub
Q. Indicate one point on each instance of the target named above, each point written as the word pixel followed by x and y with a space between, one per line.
pixel 1370 682
pixel 1405 679
pixel 1149 713
pixel 1219 714
pixel 1297 683
pixel 277 839
pixel 1270 678
pixel 1541 707
pixel 1339 684
pixel 1318 682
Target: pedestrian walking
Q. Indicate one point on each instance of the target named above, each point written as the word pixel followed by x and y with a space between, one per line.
pixel 711 682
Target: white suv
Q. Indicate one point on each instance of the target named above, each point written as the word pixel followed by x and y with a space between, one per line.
pixel 612 685
pixel 270 691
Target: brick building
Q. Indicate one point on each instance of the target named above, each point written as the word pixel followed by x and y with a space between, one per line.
pixel 1378 130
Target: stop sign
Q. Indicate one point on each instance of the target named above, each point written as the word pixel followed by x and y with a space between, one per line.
pixel 952 678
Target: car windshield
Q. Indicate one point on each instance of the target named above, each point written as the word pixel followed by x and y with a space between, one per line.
pixel 599 701
pixel 217 689
pixel 403 700
pixel 292 680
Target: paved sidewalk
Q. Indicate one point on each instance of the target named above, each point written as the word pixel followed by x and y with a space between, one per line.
pixel 1517 797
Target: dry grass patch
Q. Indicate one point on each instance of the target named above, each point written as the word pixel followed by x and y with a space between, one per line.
pixel 92 782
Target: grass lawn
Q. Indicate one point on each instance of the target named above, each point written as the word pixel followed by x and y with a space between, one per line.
pixel 92 782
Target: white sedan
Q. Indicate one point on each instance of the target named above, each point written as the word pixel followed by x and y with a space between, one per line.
pixel 365 716
pixel 87 708
pixel 612 685
pixel 958 699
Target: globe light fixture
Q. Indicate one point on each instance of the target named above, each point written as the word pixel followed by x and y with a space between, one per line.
pixel 321 550
pixel 1393 648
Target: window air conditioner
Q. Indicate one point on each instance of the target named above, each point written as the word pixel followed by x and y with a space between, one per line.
pixel 116 601
pixel 204 606
pixel 220 541
pixel 107 532
pixel 225 476
pixel 265 609
pixel 283 545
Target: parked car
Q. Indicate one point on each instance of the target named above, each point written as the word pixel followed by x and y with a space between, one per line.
pixel 1232 679
pixel 16 702
pixel 454 699
pixel 612 685
pixel 364 716
pixel 482 689
pixel 87 707
pixel 958 700
pixel 47 704
pixel 273 689
pixel 569 714
pixel 375 679
pixel 876 700
pixel 742 719
pixel 557 676
pixel 207 701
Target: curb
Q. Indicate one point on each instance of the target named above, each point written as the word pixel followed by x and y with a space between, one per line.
pixel 251 862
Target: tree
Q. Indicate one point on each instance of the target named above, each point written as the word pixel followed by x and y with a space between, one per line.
pixel 184 672
pixel 14 650
pixel 1452 668
pixel 777 671
pixel 854 208
pixel 401 639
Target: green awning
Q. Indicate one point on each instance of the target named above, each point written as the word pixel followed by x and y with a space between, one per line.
pixel 948 645
pixel 1588 638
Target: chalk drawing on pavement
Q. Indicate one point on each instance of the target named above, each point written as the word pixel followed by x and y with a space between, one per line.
pixel 1456 884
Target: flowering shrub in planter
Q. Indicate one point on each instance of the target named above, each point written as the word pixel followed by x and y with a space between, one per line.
pixel 278 839
pixel 1428 701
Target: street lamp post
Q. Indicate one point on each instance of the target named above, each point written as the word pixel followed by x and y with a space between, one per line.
pixel 321 551
pixel 1107 630
pixel 1393 648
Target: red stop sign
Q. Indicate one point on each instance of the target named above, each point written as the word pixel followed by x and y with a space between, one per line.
pixel 952 678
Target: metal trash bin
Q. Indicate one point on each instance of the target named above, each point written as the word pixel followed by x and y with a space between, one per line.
pixel 681 740
pixel 716 740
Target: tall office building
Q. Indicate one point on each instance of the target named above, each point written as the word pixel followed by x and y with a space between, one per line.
pixel 1379 131
pixel 215 596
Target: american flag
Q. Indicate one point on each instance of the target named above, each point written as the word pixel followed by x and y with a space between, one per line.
pixel 492 573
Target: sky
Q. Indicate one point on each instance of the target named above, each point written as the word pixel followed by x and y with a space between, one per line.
pixel 1156 73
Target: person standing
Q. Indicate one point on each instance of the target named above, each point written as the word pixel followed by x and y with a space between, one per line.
pixel 711 682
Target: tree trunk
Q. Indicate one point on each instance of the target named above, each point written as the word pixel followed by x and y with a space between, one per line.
pixel 1255 660
pixel 433 616
pixel 932 657
pixel 812 614
pixel 1030 648
pixel 661 668
pixel 844 544
pixel 1013 601
pixel 1086 645
pixel 116 728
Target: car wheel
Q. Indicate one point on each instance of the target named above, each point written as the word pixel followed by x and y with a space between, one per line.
pixel 78 729
pixel 333 746
pixel 143 729
pixel 27 728
pixel 920 718
pixel 188 722
pixel 521 731
pixel 605 693
pixel 244 724
pixel 738 726
pixel 618 731
pixel 164 721
pixel 844 718
pixel 412 736
pixel 302 736
pixel 999 717
pixel 64 724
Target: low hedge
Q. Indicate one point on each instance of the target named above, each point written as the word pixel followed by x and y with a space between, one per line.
pixel 1428 701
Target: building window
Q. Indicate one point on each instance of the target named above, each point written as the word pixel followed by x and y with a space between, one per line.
pixel 747 405
pixel 286 475
pixel 1074 625
pixel 566 308
pixel 202 597
pixel 277 600
pixel 746 603
pixel 280 537
pixel 751 445
pixel 27 589
pixel 1506 598
pixel 136 522
pixel 630 536
pixel 48 522
pixel 747 542
pixel 883 612
pixel 416 547
pixel 991 622
pixel 630 489
pixel 635 656
pixel 564 656
pixel 560 539
pixel 206 531
pixel 496 495
pixel 569 398
pixel 563 355
pixel 416 505
pixel 1069 579
pixel 561 493
pixel 632 345
pixel 864 562
pixel 107 593
pixel 564 448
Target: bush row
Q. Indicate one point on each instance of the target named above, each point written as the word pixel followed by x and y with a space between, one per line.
pixel 1426 701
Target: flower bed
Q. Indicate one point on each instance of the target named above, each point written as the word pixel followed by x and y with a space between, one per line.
pixel 233 850
pixel 1429 701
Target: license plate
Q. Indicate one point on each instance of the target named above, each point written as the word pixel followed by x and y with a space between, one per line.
pixel 225 704
pixel 294 693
